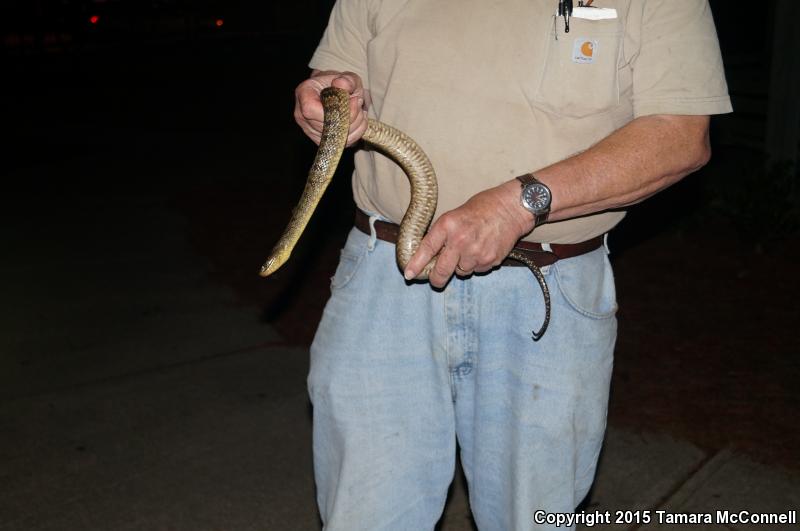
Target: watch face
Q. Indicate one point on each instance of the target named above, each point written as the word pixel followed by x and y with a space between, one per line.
pixel 536 198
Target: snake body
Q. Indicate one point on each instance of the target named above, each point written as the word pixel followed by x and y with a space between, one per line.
pixel 418 168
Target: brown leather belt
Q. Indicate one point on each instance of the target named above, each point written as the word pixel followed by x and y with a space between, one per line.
pixel 559 251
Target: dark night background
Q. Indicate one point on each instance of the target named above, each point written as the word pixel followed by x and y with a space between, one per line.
pixel 149 379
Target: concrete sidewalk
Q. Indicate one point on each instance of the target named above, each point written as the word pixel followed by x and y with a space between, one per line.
pixel 137 395
pixel 224 443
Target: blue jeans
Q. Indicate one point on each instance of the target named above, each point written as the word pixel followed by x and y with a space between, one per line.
pixel 401 371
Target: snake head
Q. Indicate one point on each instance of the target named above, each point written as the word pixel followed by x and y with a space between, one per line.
pixel 273 263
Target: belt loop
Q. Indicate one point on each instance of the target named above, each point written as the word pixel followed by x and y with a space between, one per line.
pixel 546 247
pixel 373 235
pixel 605 243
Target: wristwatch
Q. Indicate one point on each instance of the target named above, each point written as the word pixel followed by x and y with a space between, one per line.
pixel 536 197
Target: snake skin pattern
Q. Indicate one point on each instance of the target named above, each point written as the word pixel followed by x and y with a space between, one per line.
pixel 424 190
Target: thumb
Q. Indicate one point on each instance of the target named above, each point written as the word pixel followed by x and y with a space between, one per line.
pixel 344 82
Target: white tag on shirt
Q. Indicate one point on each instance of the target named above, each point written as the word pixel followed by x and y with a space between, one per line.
pixel 584 51
pixel 594 13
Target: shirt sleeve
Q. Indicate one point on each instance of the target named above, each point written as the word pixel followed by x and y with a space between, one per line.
pixel 344 44
pixel 678 69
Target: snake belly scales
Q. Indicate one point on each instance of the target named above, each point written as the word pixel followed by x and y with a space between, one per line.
pixel 424 190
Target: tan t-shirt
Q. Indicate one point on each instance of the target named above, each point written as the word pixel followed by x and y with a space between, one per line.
pixel 492 89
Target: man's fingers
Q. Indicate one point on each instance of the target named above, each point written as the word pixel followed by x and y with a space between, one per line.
pixel 428 248
pixel 358 115
pixel 348 81
pixel 309 120
pixel 444 268
pixel 316 125
pixel 466 266
pixel 357 108
pixel 308 105
pixel 357 128
pixel 309 113
pixel 344 82
pixel 352 84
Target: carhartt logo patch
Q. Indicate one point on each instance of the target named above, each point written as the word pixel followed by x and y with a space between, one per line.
pixel 584 51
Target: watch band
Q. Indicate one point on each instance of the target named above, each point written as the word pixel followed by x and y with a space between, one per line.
pixel 526 180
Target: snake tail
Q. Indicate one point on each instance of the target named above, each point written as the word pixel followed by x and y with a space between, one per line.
pixel 424 188
pixel 334 137
pixel 537 273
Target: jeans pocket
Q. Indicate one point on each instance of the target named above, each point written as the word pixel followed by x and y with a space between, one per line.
pixel 350 259
pixel 586 283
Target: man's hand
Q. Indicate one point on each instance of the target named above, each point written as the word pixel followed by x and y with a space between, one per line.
pixel 308 107
pixel 474 237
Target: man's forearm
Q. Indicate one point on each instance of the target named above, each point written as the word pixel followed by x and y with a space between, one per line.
pixel 633 163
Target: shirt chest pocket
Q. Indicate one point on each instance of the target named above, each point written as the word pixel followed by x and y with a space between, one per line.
pixel 580 69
